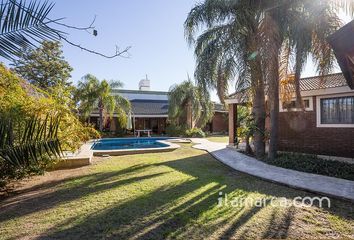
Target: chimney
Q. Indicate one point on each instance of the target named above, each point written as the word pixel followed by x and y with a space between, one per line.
pixel 144 84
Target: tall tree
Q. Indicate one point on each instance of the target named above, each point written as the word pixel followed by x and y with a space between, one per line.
pixel 95 94
pixel 304 25
pixel 187 104
pixel 229 49
pixel 45 66
pixel 244 39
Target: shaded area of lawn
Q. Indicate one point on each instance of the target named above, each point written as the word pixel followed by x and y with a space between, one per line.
pixel 167 195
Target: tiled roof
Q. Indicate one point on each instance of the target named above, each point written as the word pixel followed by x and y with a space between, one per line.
pixel 327 81
pixel 149 107
pixel 306 84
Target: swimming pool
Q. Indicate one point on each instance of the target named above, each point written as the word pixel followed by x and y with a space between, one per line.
pixel 128 143
pixel 125 146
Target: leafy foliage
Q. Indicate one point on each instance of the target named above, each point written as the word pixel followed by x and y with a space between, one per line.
pixel 313 164
pixel 173 130
pixel 186 97
pixel 195 132
pixel 22 25
pixel 27 145
pixel 93 94
pixel 44 67
pixel 30 124
pixel 184 131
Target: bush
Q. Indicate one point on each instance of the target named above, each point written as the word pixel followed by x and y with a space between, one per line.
pixel 195 132
pixel 176 130
pixel 183 131
pixel 313 164
pixel 20 101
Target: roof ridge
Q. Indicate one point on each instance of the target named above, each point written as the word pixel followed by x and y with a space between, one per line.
pixel 327 75
pixel 140 91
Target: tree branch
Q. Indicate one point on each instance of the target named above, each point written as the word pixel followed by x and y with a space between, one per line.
pixel 124 53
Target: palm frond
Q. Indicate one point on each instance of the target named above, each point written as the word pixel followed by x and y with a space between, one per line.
pixel 36 140
pixel 22 25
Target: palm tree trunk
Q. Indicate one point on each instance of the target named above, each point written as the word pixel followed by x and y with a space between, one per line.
pixel 274 47
pixel 298 67
pixel 259 118
pixel 274 116
pixel 248 146
pixel 100 110
pixel 258 109
pixel 189 114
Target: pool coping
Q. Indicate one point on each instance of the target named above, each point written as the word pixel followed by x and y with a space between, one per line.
pixel 170 147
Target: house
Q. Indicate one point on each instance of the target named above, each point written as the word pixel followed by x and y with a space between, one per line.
pixel 326 127
pixel 150 111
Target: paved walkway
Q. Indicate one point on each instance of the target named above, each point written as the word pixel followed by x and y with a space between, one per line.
pixel 324 185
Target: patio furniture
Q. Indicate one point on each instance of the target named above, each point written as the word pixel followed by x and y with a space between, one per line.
pixel 148 131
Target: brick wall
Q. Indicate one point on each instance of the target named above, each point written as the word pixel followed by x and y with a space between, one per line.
pixel 220 122
pixel 298 133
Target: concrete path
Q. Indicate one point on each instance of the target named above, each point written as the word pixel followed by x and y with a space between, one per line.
pixel 324 185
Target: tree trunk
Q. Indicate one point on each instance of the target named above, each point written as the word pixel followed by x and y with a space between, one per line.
pixel 259 114
pixel 273 49
pixel 100 110
pixel 248 146
pixel 258 110
pixel 298 68
pixel 274 116
pixel 189 115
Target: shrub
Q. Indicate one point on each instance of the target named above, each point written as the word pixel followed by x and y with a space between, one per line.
pixel 183 131
pixel 195 132
pixel 20 101
pixel 176 130
pixel 313 164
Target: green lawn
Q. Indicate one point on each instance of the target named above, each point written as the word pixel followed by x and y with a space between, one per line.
pixel 218 139
pixel 159 196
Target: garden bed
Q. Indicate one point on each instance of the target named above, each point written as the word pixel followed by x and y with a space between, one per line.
pixel 313 164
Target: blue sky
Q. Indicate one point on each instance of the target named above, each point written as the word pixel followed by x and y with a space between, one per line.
pixel 154 30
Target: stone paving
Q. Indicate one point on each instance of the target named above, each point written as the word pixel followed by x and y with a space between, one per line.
pixel 328 186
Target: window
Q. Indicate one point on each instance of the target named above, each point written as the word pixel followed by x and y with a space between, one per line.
pixel 292 104
pixel 337 110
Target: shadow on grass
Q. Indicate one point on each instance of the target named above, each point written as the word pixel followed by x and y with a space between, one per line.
pixel 170 211
pixel 81 187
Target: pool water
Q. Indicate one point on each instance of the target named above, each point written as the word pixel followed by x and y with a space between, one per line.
pixel 128 143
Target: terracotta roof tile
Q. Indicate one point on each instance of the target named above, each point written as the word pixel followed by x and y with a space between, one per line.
pixel 306 84
pixel 327 81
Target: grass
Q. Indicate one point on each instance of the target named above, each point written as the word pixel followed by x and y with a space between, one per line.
pixel 163 196
pixel 218 138
pixel 313 164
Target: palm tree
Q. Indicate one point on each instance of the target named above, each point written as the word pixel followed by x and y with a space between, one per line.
pixel 93 93
pixel 228 49
pixel 187 104
pixel 266 26
pixel 303 26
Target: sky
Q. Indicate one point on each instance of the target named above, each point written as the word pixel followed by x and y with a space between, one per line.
pixel 153 29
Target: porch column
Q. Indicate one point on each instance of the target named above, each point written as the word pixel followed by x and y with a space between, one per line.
pixel 232 123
